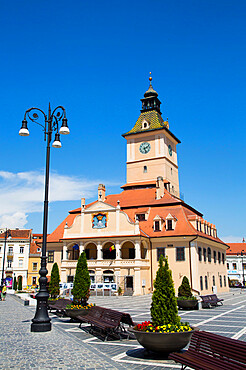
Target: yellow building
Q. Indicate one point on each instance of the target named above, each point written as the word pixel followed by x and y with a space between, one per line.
pixel 123 235
pixel 34 260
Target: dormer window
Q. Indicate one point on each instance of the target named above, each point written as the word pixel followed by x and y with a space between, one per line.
pixel 158 223
pixel 145 125
pixel 170 222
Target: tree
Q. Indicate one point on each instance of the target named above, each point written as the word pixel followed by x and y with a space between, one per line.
pixel 185 289
pixel 54 288
pixel 15 284
pixel 164 308
pixel 20 283
pixel 82 282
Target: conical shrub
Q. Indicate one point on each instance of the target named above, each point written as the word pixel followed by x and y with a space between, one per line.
pixel 82 281
pixel 164 309
pixel 184 289
pixel 54 288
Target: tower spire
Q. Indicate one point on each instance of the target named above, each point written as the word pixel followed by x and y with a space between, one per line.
pixel 150 101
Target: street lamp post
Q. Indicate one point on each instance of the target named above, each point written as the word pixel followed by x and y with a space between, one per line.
pixel 41 321
pixel 7 235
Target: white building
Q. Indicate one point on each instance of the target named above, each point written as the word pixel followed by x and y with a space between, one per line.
pixel 236 262
pixel 15 245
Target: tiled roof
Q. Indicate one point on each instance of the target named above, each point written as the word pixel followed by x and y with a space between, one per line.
pixel 33 248
pixel 18 234
pixel 135 201
pixel 57 234
pixel 156 122
pixel 236 248
pixel 153 117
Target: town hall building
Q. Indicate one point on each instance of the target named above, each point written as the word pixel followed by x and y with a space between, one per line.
pixel 124 235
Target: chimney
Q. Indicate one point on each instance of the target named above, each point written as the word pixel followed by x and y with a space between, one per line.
pixel 101 192
pixel 82 203
pixel 159 187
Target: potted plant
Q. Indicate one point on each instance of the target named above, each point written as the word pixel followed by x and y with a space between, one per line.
pixel 165 333
pixel 186 300
pixel 74 310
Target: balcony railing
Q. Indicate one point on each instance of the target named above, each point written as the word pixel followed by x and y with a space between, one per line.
pixel 123 263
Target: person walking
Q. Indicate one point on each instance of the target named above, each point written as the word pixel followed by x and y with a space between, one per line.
pixel 3 294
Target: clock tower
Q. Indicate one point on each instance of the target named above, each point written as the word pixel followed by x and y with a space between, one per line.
pixel 152 147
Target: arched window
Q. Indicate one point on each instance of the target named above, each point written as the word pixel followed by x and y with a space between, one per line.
pixel 145 169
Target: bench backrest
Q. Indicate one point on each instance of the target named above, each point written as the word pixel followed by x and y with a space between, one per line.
pixel 218 346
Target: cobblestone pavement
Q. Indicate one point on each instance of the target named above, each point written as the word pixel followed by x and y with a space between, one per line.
pixel 57 349
pixel 67 346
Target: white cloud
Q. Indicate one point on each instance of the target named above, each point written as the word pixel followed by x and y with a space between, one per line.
pixel 23 193
pixel 232 239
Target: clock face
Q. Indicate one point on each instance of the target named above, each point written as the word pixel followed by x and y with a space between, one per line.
pixel 170 150
pixel 144 148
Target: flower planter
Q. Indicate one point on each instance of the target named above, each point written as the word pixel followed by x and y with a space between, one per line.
pixel 163 342
pixel 73 313
pixel 187 304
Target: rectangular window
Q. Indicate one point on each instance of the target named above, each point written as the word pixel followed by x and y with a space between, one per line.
pixel 205 254
pixel 223 258
pixel 169 224
pixel 34 280
pixel 234 266
pixel 21 250
pixel 206 282
pixel 157 225
pixel 213 280
pixel 201 283
pixel 200 254
pixel 209 254
pixel 35 266
pixel 220 281
pixel 244 266
pixel 10 251
pixel 9 263
pixel 214 256
pixel 219 257
pixel 50 256
pixel 180 254
pixel 227 266
pixel 20 262
pixel 160 252
pixel 197 225
pixel 224 280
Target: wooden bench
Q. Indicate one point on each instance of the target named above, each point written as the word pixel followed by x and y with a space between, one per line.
pixel 59 306
pixel 106 320
pixel 211 300
pixel 208 351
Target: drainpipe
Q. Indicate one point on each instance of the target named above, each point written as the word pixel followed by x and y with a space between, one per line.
pixel 151 266
pixel 191 282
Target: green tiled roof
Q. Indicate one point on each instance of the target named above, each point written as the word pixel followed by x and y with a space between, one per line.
pixel 155 122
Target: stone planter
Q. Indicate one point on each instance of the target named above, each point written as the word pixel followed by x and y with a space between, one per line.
pixel 163 342
pixel 187 304
pixel 76 312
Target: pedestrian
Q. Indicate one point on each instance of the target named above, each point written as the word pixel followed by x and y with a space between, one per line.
pixel 3 294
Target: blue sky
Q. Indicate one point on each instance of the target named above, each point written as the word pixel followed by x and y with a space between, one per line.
pixel 94 58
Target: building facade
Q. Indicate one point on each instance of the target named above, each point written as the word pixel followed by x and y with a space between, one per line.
pixel 34 260
pixel 236 262
pixel 124 235
pixel 16 251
